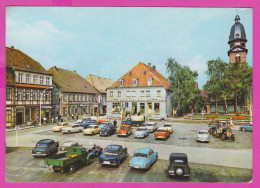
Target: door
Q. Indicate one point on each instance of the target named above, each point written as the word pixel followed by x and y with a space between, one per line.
pixel 19 118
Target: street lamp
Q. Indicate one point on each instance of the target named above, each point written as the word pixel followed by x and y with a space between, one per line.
pixel 41 105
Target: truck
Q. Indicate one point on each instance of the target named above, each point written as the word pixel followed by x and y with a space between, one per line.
pixel 134 120
pixel 74 158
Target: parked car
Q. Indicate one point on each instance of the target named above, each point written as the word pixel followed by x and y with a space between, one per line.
pixel 178 165
pixel 64 147
pixel 143 158
pixel 85 123
pixel 60 126
pixel 203 136
pixel 45 147
pixel 134 120
pixel 227 134
pixel 125 130
pixel 104 124
pixel 248 127
pixel 162 133
pixel 113 155
pixel 101 119
pixel 74 128
pixel 141 132
pixel 74 158
pixel 169 127
pixel 151 126
pixel 80 120
pixel 91 130
pixel 108 130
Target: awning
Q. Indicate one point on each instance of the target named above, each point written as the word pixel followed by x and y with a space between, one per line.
pixel 46 107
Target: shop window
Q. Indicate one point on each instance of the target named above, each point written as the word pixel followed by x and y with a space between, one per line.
pixel 20 94
pixel 134 108
pixel 8 94
pixel 116 107
pixel 157 107
pixel 149 110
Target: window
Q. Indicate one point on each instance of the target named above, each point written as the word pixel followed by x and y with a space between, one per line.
pixel 73 98
pixel 86 97
pixel 126 104
pixel 158 93
pixel 142 93
pixel 133 93
pixel 116 107
pixel 150 81
pixel 243 44
pixel 20 94
pixel 128 93
pixel 35 79
pixel 237 58
pixel 135 82
pixel 111 93
pixel 35 94
pixel 119 94
pixel 28 78
pixel 8 94
pixel 81 97
pixel 41 95
pixel 8 116
pixel 121 82
pixel 27 95
pixel 231 45
pixel 245 109
pixel 47 80
pixel 64 97
pixel 157 107
pixel 148 93
pixel 41 80
pixel 47 95
pixel 237 35
pixel 20 77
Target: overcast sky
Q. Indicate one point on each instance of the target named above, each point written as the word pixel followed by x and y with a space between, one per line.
pixel 109 41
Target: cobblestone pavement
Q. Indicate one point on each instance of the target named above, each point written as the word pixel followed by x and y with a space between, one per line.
pixel 22 167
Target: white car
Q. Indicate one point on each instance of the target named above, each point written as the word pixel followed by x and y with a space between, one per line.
pixel 203 136
pixel 151 126
pixel 74 128
pixel 168 126
pixel 141 132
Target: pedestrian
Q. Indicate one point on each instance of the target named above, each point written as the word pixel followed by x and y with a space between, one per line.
pixel 34 121
pixel 61 119
pixel 231 123
pixel 115 122
pixel 77 116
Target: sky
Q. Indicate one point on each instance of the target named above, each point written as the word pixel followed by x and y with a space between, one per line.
pixel 109 41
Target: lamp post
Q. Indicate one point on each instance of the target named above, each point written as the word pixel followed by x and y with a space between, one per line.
pixel 41 105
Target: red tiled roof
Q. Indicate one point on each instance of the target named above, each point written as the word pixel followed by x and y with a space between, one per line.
pixel 142 72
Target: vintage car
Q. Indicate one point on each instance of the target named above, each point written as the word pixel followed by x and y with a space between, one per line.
pixel 85 123
pixel 162 133
pixel 113 155
pixel 125 130
pixel 143 158
pixel 108 130
pixel 227 134
pixel 45 147
pixel 248 127
pixel 101 119
pixel 91 130
pixel 178 165
pixel 151 126
pixel 141 132
pixel 60 126
pixel 203 136
pixel 64 147
pixel 74 128
pixel 168 126
pixel 104 124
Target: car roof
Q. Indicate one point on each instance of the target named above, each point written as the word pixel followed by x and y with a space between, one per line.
pixel 143 150
pixel 45 141
pixel 167 124
pixel 113 147
pixel 178 155
pixel 162 128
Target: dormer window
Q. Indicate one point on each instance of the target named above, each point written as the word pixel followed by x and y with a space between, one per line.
pixel 121 82
pixel 237 35
pixel 135 82
pixel 150 81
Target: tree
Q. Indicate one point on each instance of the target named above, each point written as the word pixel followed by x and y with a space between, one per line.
pixel 183 85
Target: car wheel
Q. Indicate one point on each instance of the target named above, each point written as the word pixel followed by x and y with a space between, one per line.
pixel 179 172
pixel 223 137
pixel 243 129
pixel 69 132
pixel 71 169
pixel 210 131
pixel 56 171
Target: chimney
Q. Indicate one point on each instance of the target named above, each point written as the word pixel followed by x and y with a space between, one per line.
pixel 12 47
pixel 55 68
pixel 149 65
pixel 75 71
pixel 154 67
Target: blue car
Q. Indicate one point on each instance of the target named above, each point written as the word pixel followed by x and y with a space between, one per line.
pixel 248 127
pixel 143 158
pixel 86 122
pixel 104 124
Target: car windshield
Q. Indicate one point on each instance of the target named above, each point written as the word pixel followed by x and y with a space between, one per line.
pixel 140 129
pixel 40 145
pixel 161 131
pixel 203 132
pixel 123 127
pixel 111 151
pixel 150 125
pixel 178 162
pixel 140 155
pixel 167 125
pixel 91 127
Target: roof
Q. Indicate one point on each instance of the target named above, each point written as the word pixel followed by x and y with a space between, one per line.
pixel 143 150
pixel 113 147
pixel 45 141
pixel 19 60
pixel 142 72
pixel 239 29
pixel 178 155
pixel 100 83
pixel 71 81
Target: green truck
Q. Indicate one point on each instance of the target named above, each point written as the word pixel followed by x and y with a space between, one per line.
pixel 74 158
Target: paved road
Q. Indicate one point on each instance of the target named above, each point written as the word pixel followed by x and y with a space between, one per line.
pixel 22 167
pixel 217 152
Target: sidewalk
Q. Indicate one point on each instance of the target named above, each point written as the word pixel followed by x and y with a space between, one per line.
pixel 22 127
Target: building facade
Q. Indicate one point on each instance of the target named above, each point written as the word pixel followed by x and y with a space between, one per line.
pixel 28 86
pixel 72 94
pixel 142 90
pixel 101 84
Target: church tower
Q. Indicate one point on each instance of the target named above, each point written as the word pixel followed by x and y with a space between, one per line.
pixel 237 42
